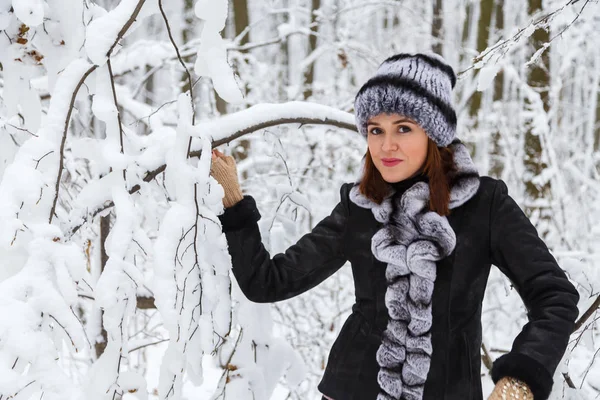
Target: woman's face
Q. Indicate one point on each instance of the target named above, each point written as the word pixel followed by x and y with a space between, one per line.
pixel 394 137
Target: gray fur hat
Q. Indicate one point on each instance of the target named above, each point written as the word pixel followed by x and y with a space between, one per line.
pixel 418 86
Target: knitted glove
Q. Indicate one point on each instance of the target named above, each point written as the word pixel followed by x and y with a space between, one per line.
pixel 509 388
pixel 224 170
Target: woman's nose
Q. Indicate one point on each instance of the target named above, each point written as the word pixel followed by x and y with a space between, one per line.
pixel 389 144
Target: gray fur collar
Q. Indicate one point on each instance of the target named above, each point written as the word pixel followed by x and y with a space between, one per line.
pixel 411 240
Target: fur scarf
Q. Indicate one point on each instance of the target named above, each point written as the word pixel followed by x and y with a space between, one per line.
pixel 410 242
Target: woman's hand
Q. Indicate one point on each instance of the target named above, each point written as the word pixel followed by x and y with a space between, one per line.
pixel 224 170
pixel 509 388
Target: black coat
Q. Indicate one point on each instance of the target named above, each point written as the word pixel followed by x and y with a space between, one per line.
pixel 490 229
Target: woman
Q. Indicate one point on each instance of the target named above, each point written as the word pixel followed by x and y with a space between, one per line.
pixel 421 230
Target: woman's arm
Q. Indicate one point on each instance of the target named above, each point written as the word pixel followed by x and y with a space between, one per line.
pixel 315 257
pixel 551 300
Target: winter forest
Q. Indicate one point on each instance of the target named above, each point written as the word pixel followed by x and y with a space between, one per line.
pixel 114 272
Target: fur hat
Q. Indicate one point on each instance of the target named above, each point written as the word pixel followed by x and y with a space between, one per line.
pixel 418 86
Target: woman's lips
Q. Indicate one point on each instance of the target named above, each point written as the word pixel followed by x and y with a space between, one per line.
pixel 390 162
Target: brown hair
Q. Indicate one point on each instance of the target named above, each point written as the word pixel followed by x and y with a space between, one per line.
pixel 438 167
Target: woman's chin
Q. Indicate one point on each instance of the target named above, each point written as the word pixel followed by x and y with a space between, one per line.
pixel 395 178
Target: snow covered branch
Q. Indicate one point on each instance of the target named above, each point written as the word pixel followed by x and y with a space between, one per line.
pixel 232 126
pixel 502 47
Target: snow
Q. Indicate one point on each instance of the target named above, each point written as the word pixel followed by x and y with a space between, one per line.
pixel 211 59
pixel 61 99
pixel 105 27
pixel 534 58
pixel 31 12
pixel 141 54
pixel 486 76
pixel 165 240
pixel 40 295
pixel 283 30
pixel 227 125
pixel 5 17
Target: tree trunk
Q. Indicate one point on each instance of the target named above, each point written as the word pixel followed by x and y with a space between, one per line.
pixel 538 78
pixel 309 74
pixel 240 21
pixel 597 125
pixel 187 33
pixel 281 59
pixel 437 26
pixel 498 32
pixel 483 35
pixel 496 159
pixel 104 231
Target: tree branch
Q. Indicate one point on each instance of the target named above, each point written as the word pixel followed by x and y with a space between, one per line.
pixel 68 118
pixel 486 358
pixel 187 71
pixel 147 344
pixel 150 175
pixel 539 23
pixel 63 140
pixel 127 25
pixel 114 93
pixel 587 314
pixel 568 380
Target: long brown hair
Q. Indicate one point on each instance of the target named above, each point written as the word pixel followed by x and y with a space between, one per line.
pixel 438 167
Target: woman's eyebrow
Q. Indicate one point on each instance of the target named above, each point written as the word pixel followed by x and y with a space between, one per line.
pixel 395 122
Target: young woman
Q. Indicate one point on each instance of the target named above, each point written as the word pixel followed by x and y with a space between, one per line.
pixel 421 230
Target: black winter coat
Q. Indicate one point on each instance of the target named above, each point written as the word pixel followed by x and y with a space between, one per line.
pixel 490 229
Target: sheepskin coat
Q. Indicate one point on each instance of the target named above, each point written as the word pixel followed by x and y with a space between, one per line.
pixel 485 227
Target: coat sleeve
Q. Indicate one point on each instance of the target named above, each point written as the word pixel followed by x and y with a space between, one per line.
pixel 262 278
pixel 551 300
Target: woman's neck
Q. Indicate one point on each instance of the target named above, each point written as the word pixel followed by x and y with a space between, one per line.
pixel 403 185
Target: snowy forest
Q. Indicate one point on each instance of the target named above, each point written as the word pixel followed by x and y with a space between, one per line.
pixel 115 277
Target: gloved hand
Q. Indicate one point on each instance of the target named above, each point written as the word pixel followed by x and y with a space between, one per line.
pixel 224 170
pixel 509 388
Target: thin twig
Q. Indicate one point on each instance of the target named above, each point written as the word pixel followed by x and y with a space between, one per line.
pixel 227 368
pixel 148 344
pixel 127 25
pixel 86 296
pixel 114 92
pixel 37 162
pixel 573 21
pixel 64 329
pixel 587 314
pixel 20 129
pixel 568 380
pixel 196 243
pixel 541 21
pixel 64 138
pixel 187 71
pixel 485 357
pixel 19 391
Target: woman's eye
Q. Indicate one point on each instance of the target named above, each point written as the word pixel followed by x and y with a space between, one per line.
pixel 401 129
